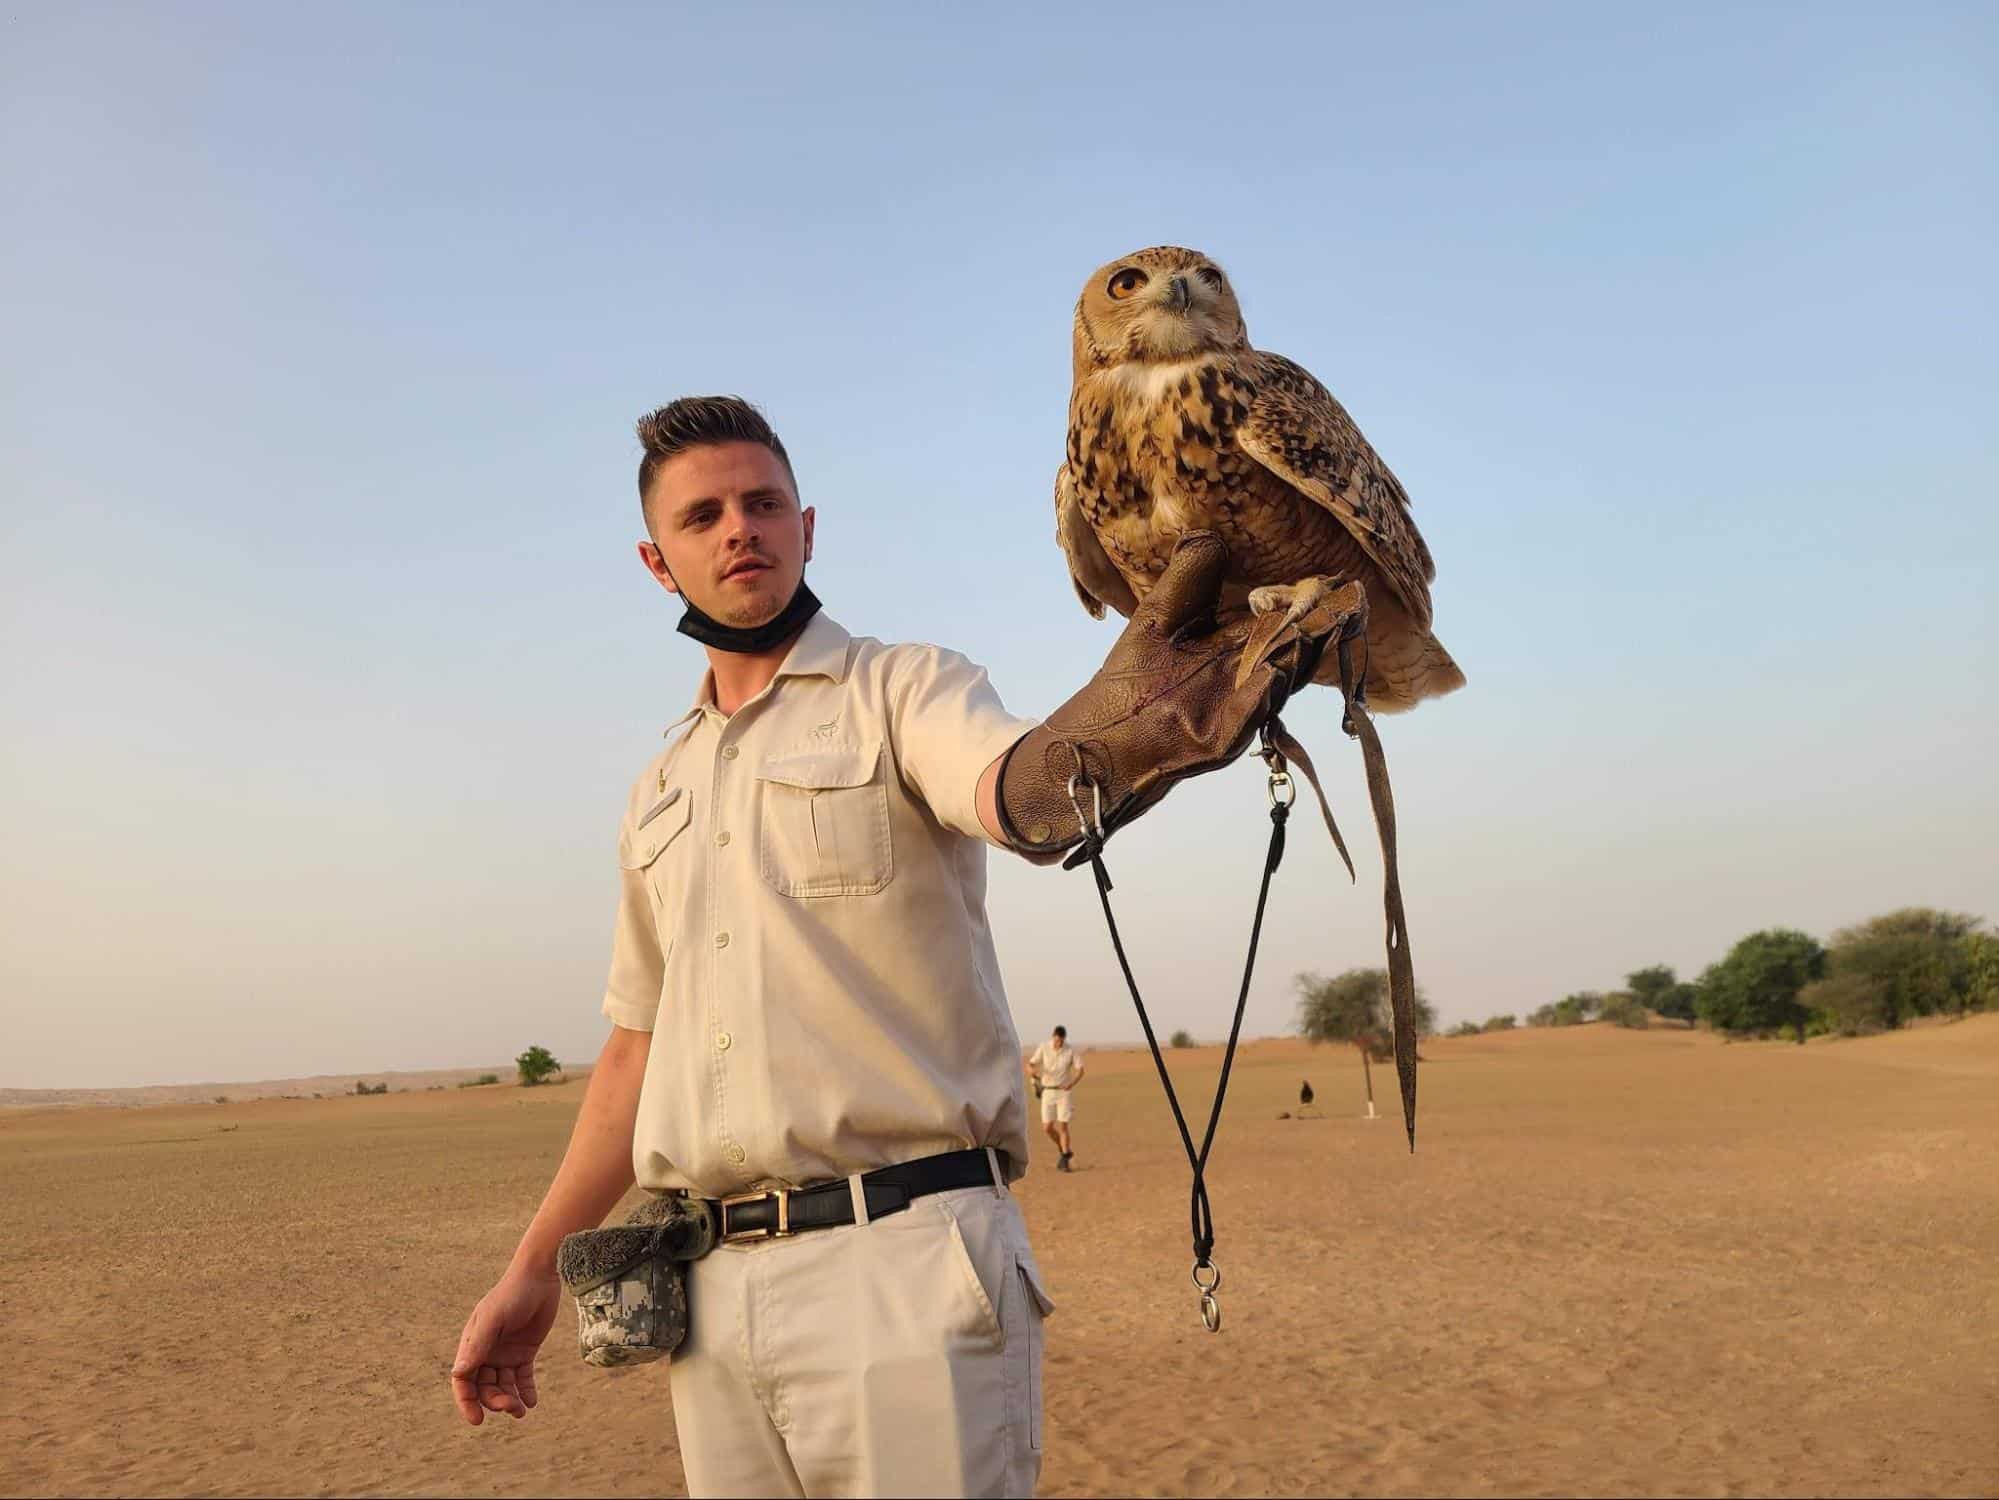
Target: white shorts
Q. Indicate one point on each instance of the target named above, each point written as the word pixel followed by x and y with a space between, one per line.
pixel 1056 1105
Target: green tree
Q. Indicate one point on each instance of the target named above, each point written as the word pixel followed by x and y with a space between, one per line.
pixel 1353 1008
pixel 1500 1023
pixel 1464 1028
pixel 1981 967
pixel 536 1065
pixel 1181 1039
pixel 1754 991
pixel 1659 990
pixel 1914 962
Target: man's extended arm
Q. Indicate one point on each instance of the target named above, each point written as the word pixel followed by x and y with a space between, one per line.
pixel 494 1368
pixel 1183 691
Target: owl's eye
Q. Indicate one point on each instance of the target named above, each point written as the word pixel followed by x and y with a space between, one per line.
pixel 1210 275
pixel 1125 283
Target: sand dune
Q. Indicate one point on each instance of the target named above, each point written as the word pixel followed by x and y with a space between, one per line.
pixel 1620 1263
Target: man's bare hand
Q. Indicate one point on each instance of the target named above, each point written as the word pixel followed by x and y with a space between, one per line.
pixel 494 1368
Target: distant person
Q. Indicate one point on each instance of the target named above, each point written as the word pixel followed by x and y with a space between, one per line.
pixel 1057 1068
pixel 803 926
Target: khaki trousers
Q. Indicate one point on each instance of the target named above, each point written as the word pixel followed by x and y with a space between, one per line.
pixel 899 1357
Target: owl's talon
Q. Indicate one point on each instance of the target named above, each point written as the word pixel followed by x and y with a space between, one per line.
pixel 1277 607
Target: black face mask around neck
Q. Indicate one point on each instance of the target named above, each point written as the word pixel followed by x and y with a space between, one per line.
pixel 709 631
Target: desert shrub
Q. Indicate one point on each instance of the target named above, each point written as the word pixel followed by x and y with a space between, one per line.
pixel 1570 1010
pixel 1660 990
pixel 1465 1028
pixel 1981 968
pixel 536 1065
pixel 1500 1023
pixel 370 1088
pixel 1180 1039
pixel 481 1081
pixel 1915 962
pixel 1626 1011
pixel 1844 1005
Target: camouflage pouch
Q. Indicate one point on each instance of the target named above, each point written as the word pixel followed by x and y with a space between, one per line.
pixel 630 1282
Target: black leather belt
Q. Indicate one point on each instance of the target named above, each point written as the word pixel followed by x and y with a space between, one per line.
pixel 888 1190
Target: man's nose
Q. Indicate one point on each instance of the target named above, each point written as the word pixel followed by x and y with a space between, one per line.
pixel 743 529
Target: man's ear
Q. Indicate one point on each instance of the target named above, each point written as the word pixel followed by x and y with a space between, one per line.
pixel 655 563
pixel 808 515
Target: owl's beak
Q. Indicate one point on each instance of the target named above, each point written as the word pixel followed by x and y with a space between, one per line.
pixel 1177 294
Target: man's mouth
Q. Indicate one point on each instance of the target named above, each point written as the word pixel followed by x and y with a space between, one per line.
pixel 748 566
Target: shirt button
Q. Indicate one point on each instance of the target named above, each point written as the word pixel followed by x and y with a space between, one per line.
pixel 730 752
pixel 722 839
pixel 721 940
pixel 737 1156
pixel 723 1041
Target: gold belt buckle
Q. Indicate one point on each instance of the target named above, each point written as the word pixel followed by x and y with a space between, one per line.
pixel 783 1229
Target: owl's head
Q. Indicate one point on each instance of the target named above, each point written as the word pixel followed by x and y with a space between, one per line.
pixel 1161 304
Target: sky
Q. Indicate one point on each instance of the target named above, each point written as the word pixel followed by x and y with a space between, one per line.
pixel 328 660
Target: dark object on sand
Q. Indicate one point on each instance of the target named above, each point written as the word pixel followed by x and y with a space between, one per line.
pixel 1305 1092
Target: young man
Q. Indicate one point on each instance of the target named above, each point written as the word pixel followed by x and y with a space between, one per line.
pixel 1057 1068
pixel 808 1031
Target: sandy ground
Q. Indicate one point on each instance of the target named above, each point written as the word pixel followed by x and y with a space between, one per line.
pixel 1621 1263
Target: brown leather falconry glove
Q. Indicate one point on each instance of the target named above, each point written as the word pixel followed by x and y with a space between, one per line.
pixel 1166 705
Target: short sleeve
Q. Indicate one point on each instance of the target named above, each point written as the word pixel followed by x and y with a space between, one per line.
pixel 638 960
pixel 948 725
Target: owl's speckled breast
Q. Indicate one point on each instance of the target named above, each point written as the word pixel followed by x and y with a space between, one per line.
pixel 1153 455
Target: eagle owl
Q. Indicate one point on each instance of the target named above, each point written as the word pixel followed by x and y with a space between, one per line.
pixel 1176 424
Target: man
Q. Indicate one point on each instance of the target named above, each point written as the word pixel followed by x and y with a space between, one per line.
pixel 1057 1068
pixel 807 1021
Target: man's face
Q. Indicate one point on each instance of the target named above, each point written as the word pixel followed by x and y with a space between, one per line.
pixel 727 532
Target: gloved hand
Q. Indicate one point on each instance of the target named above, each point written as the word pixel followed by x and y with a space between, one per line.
pixel 1166 705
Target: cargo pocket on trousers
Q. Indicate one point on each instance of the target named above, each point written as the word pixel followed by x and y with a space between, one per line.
pixel 1038 1308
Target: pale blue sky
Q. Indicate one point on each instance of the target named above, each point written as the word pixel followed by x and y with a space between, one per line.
pixel 327 662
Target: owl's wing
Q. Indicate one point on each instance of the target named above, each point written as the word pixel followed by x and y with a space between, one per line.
pixel 1097 580
pixel 1301 434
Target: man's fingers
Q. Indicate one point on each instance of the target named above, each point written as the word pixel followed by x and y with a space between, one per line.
pixel 465 1395
pixel 473 1345
pixel 1192 582
pixel 512 1388
pixel 530 1395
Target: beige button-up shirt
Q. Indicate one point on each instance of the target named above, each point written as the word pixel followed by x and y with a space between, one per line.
pixel 803 927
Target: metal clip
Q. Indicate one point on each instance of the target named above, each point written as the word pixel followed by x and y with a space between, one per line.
pixel 1211 1310
pixel 1090 834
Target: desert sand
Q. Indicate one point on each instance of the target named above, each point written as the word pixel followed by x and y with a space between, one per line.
pixel 1619 1263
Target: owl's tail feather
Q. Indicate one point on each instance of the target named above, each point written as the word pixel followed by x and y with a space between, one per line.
pixel 1405 665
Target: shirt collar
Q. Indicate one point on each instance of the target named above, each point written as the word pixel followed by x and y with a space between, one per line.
pixel 819 651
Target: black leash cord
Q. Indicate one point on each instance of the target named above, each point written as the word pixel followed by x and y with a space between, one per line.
pixel 1207 1275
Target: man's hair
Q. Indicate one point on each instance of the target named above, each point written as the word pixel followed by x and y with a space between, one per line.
pixel 698 422
pixel 1062 1032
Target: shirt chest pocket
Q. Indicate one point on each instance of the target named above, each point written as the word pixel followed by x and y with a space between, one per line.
pixel 822 822
pixel 654 844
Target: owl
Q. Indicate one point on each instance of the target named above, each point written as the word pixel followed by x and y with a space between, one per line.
pixel 1177 424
